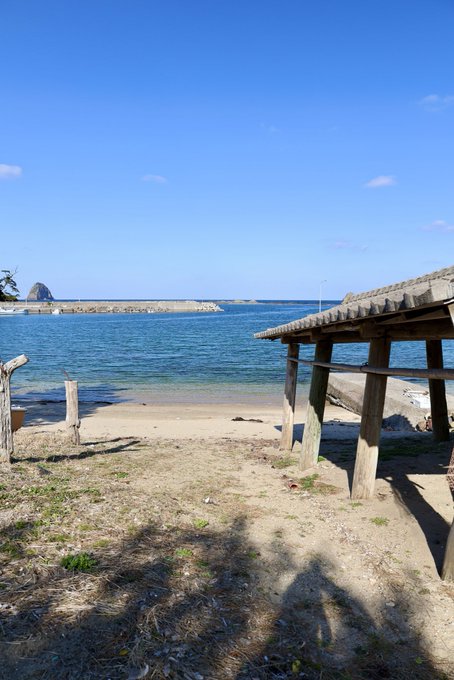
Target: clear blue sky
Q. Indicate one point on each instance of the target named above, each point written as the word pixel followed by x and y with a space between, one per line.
pixel 195 148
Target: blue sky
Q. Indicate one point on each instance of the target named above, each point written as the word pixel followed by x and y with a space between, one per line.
pixel 215 149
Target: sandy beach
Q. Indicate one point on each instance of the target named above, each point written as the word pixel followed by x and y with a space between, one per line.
pixel 179 421
pixel 200 536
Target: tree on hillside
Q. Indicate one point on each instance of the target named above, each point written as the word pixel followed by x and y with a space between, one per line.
pixel 8 286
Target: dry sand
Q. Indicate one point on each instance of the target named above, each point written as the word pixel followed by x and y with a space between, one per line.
pixel 179 421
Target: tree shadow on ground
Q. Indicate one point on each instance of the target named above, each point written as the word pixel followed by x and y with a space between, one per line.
pixel 323 631
pixel 185 604
pixel 123 444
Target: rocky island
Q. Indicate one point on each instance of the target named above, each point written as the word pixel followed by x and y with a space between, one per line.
pixel 40 292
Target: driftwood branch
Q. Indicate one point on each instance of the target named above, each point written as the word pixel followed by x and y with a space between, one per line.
pixel 6 430
pixel 11 366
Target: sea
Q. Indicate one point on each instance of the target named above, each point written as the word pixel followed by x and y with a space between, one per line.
pixel 171 358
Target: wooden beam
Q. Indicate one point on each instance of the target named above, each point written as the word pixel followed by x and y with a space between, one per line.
pixel 412 317
pixel 288 415
pixel 371 421
pixel 315 407
pixel 433 373
pixel 437 390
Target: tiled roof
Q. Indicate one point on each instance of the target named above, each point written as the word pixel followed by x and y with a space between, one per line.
pixel 431 288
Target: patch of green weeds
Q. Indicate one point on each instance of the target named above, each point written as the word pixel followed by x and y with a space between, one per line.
pixel 59 538
pixel 102 543
pixel 284 462
pixel 308 483
pixel 356 504
pixel 311 483
pixel 92 491
pixel 253 555
pixel 10 548
pixel 291 516
pixel 201 523
pixel 406 447
pixel 183 552
pixel 321 459
pixel 86 527
pixel 120 475
pixel 79 562
pixel 20 524
pixel 379 521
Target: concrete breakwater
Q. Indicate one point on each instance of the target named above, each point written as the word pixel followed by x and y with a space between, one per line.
pixel 114 307
pixel 407 404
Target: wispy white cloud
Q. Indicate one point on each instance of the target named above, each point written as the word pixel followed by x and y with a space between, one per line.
pixel 439 225
pixel 269 129
pixel 157 179
pixel 341 244
pixel 381 181
pixel 10 171
pixel 436 102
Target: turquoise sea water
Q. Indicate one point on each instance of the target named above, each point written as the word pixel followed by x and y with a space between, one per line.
pixel 168 357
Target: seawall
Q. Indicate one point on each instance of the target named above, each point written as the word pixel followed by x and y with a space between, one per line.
pixel 114 307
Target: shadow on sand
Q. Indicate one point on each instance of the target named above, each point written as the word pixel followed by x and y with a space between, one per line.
pixel 185 604
pixel 402 455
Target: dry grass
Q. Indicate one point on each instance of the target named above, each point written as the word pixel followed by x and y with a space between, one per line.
pixel 175 587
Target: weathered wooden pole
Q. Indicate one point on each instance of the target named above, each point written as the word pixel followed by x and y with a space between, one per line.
pixel 288 414
pixel 438 405
pixel 371 421
pixel 72 410
pixel 6 431
pixel 315 407
pixel 447 572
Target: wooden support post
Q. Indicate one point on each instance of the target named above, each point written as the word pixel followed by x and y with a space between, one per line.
pixel 438 405
pixel 315 407
pixel 447 572
pixel 371 421
pixel 6 430
pixel 288 415
pixel 72 410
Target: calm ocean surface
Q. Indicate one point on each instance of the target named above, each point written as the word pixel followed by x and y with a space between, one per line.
pixel 169 357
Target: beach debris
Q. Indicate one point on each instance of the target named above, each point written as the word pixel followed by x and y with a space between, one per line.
pixel 239 419
pixel 290 483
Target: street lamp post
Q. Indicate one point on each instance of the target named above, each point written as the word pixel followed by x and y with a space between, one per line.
pixel 320 295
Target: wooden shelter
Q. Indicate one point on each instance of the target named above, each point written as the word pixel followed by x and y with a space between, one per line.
pixel 417 309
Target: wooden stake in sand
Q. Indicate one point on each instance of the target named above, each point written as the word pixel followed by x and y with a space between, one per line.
pixel 6 430
pixel 72 410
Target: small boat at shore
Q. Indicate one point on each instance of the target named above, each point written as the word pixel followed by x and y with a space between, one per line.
pixel 13 311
